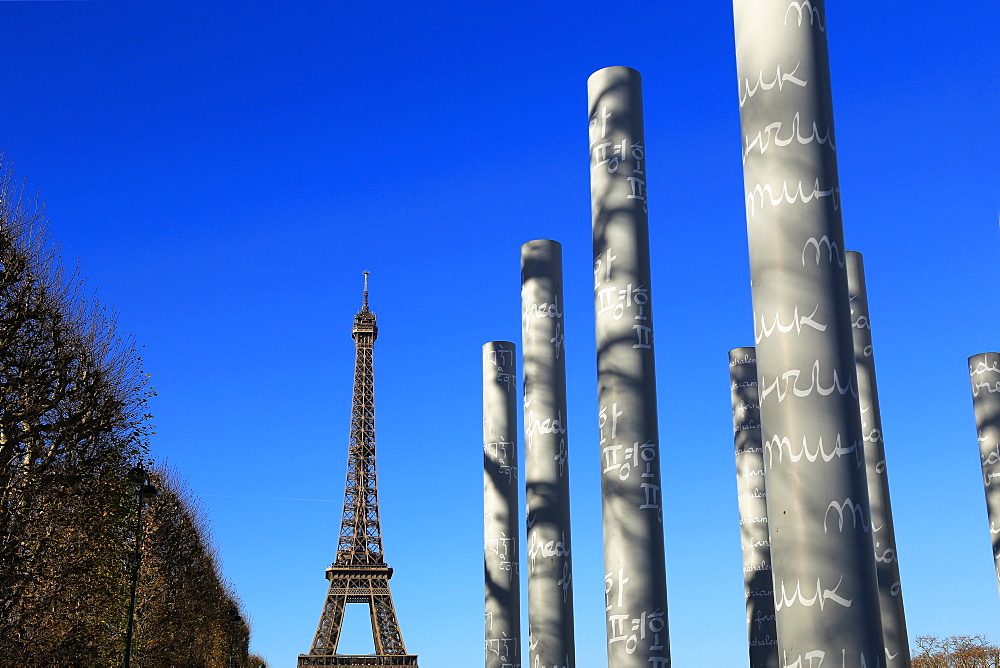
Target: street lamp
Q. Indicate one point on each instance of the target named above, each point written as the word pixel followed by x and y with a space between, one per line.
pixel 144 492
pixel 233 615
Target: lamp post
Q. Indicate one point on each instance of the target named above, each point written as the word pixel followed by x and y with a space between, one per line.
pixel 144 492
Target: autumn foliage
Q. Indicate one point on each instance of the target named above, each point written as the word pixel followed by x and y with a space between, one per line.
pixel 184 611
pixel 73 423
pixel 956 652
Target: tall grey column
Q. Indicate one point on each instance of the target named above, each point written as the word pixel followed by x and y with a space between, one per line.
pixel 500 553
pixel 635 581
pixel 984 373
pixel 758 586
pixel 897 645
pixel 546 469
pixel 826 595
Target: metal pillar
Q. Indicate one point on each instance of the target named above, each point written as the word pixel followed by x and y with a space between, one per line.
pixel 500 553
pixel 897 645
pixel 634 567
pixel 144 492
pixel 984 373
pixel 546 469
pixel 758 586
pixel 826 593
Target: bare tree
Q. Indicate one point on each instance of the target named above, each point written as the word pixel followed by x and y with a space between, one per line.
pixel 73 423
pixel 959 651
pixel 187 614
pixel 73 420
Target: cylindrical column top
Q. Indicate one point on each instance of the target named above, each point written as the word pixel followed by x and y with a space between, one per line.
pixel 983 368
pixel 980 358
pixel 499 357
pixel 607 75
pixel 855 272
pixel 621 88
pixel 541 249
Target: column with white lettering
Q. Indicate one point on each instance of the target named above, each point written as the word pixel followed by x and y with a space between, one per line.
pixel 984 374
pixel 500 526
pixel 635 581
pixel 897 645
pixel 823 564
pixel 546 465
pixel 751 489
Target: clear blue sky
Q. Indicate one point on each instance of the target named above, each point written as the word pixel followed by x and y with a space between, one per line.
pixel 222 175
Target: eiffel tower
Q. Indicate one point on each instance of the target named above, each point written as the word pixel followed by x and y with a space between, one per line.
pixel 359 574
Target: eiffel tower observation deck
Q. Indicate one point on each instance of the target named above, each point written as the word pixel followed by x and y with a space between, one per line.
pixel 359 573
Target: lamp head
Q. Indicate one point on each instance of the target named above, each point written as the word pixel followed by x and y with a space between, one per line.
pixel 148 493
pixel 137 476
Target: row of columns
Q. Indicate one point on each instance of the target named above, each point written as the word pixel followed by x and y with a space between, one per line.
pixel 820 566
pixel 984 373
pixel 635 571
pixel 546 475
pixel 751 464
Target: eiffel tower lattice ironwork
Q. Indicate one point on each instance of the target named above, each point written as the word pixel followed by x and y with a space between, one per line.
pixel 359 573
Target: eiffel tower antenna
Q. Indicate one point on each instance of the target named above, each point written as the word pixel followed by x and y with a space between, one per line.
pixel 364 307
pixel 359 573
